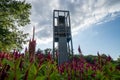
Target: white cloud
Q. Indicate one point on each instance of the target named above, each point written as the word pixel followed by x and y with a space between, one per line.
pixel 84 14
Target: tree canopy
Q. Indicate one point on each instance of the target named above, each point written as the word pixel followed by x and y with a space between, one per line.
pixel 13 15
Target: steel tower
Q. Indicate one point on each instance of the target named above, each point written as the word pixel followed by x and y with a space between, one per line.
pixel 62 35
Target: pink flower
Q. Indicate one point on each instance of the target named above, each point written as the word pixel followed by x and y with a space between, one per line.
pixel 109 58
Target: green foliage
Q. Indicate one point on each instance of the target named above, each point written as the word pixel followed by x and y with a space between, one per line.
pixel 13 15
pixel 90 58
pixel 19 67
pixel 118 60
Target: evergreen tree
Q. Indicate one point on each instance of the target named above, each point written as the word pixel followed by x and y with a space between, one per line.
pixel 13 15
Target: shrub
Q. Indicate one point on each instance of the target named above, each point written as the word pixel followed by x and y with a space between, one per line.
pixel 16 66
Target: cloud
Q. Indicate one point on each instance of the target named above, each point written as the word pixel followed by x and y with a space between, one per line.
pixel 84 14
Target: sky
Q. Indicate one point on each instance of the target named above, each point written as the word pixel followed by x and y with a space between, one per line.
pixel 95 24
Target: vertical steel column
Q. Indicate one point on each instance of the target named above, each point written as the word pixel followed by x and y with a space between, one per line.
pixel 71 35
pixel 53 35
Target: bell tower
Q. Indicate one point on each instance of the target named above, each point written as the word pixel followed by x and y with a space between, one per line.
pixel 62 35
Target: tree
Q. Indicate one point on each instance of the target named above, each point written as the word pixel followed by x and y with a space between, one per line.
pixel 13 16
pixel 118 63
pixel 90 58
pixel 47 50
pixel 118 60
pixel 39 51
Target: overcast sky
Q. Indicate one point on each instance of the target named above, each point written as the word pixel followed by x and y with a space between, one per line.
pixel 92 22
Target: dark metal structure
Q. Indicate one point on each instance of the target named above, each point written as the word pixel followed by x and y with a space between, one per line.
pixel 62 35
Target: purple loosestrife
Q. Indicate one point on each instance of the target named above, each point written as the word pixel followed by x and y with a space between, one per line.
pixel 49 57
pixel 99 61
pixel 21 64
pixel 74 65
pixel 3 72
pixel 31 60
pixel 16 54
pixel 26 75
pixel 61 68
pixel 40 59
pixel 109 58
pixel 32 45
pixel 79 50
pixel 4 55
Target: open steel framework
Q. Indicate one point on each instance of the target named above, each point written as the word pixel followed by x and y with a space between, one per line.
pixel 62 35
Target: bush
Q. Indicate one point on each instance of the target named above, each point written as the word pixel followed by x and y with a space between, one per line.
pixel 18 66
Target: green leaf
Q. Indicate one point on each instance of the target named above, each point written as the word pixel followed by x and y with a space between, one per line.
pixel 33 69
pixel 10 63
pixel 40 78
pixel 55 76
pixel 99 75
